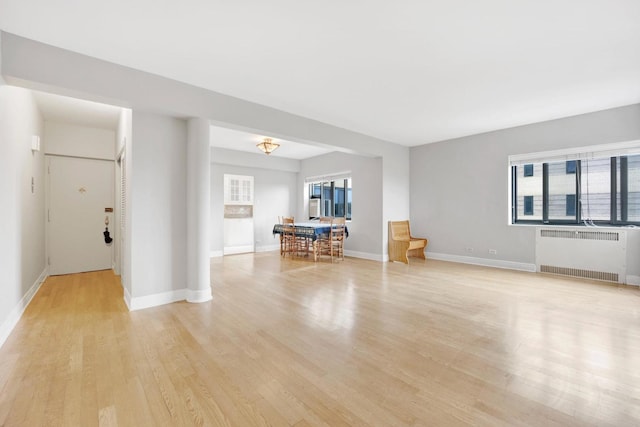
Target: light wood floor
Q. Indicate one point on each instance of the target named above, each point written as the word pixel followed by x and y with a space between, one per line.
pixel 292 342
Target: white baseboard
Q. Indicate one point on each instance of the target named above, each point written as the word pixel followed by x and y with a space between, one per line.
pixel 215 254
pixel 148 301
pixel 276 247
pixel 127 297
pixel 244 249
pixel 268 248
pixel 13 318
pixel 497 263
pixel 365 255
pixel 232 250
pixel 633 280
pixel 202 295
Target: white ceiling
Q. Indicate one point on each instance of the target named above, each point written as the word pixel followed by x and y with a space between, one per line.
pixel 80 112
pixel 409 72
pixel 58 108
pixel 242 141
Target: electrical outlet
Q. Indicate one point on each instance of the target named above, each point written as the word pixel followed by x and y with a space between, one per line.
pixel 493 251
pixel 469 249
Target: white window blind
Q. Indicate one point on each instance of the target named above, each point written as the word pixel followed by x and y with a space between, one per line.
pixel 329 177
pixel 578 153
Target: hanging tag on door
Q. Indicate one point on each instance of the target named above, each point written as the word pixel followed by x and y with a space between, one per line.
pixel 107 237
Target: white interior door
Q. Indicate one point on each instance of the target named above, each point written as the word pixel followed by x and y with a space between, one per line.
pixel 79 192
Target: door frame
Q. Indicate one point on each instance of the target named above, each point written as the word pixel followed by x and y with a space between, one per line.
pixel 47 159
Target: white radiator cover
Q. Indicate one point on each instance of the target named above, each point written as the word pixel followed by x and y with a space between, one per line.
pixel 591 253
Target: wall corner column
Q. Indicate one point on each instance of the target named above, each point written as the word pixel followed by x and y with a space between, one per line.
pixel 198 196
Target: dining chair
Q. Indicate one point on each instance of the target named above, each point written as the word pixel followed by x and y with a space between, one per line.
pixel 288 237
pixel 324 240
pixel 337 234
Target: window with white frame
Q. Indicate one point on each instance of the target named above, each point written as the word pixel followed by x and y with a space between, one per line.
pixel 598 185
pixel 329 196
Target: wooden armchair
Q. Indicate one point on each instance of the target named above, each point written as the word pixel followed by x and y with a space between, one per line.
pixel 402 244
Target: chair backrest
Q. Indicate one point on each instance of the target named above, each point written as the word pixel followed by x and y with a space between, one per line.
pixel 337 229
pixel 287 220
pixel 288 229
pixel 399 230
pixel 326 220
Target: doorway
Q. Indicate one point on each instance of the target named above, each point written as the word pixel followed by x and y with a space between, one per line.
pixel 80 208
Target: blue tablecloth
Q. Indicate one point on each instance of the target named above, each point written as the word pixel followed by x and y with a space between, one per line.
pixel 311 230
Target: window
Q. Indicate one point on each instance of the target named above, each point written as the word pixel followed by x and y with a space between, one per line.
pixel 560 186
pixel 595 181
pixel 632 191
pixel 529 193
pixel 330 198
pixel 528 170
pixel 570 204
pixel 600 185
pixel 528 205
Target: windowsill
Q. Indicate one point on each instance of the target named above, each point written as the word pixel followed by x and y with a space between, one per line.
pixel 614 227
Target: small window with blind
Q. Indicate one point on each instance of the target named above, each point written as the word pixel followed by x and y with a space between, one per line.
pixel 598 185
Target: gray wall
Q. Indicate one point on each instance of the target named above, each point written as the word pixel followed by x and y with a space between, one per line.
pixel 460 193
pixel 22 213
pixel 365 235
pixel 158 204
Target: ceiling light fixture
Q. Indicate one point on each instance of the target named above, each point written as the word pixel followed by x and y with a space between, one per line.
pixel 267 146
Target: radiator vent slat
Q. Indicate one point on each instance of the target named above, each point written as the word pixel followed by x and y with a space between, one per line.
pixel 578 272
pixel 612 236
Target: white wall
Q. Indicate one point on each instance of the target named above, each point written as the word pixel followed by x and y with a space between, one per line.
pixel 157 204
pixel 459 188
pixel 79 141
pixel 22 219
pixel 274 195
pixel 396 190
pixel 365 231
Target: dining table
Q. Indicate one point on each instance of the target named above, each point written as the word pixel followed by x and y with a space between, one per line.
pixel 312 231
